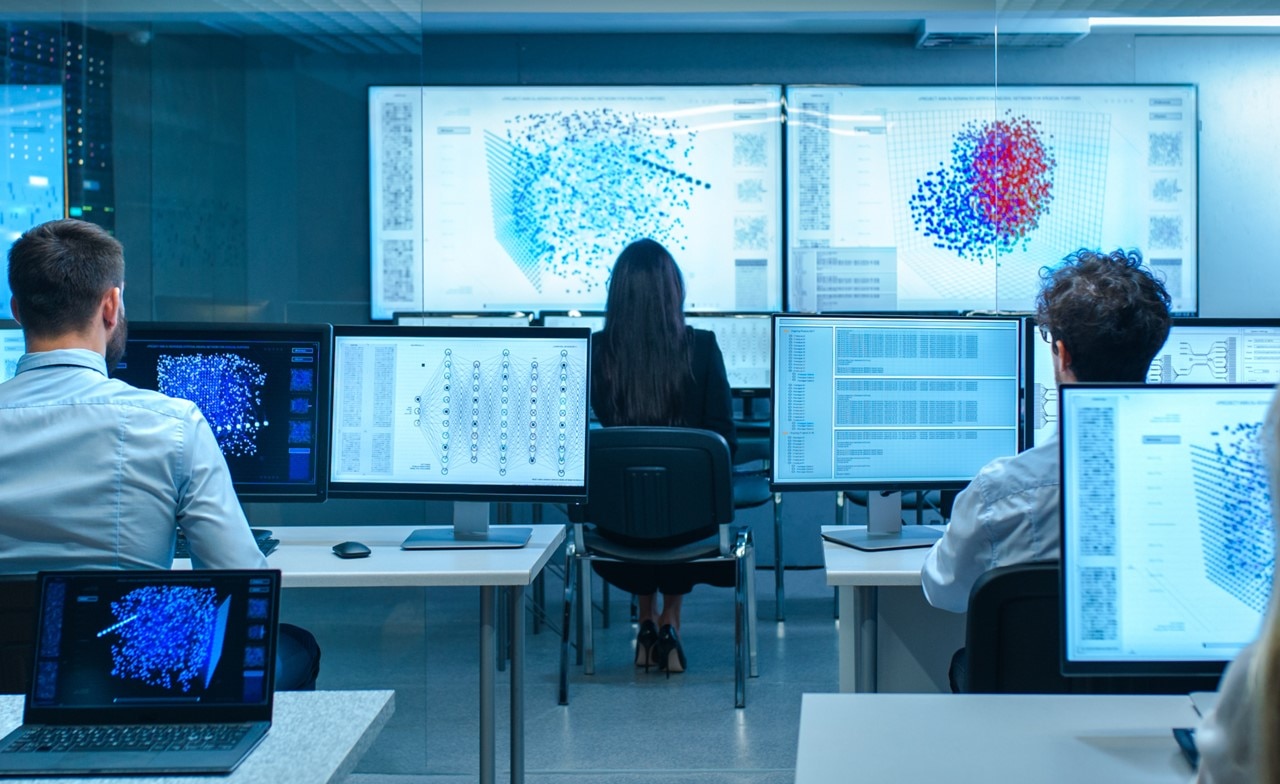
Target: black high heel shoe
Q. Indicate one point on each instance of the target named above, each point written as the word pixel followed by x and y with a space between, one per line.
pixel 668 651
pixel 646 642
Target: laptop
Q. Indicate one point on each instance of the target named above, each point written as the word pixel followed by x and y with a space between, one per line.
pixel 147 672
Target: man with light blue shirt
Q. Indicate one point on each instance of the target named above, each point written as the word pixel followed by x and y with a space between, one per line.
pixel 1105 317
pixel 94 473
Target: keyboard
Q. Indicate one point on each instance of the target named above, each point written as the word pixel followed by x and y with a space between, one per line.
pixel 130 737
pixel 261 536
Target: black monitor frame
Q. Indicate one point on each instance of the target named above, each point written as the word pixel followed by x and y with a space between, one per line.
pixel 1109 668
pixel 463 492
pixel 1031 337
pixel 224 334
pixel 956 483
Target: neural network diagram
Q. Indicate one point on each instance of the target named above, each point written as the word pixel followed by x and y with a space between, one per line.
pixel 1234 506
pixel 228 390
pixel 993 192
pixel 168 636
pixel 1189 359
pixel 505 411
pixel 569 188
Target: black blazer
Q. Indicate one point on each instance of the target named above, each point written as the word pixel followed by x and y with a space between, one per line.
pixel 707 404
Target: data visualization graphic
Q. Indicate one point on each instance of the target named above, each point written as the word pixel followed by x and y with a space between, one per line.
pixel 228 390
pixel 521 198
pixel 168 636
pixel 621 174
pixel 501 410
pixel 955 198
pixel 1234 505
pixel 993 193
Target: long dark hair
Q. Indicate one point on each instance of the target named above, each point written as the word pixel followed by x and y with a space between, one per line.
pixel 645 351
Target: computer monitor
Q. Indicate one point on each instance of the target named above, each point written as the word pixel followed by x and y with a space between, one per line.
pixel 463 319
pixel 887 403
pixel 947 198
pixel 591 319
pixel 521 197
pixel 264 389
pixel 1209 351
pixel 743 339
pixel 460 413
pixel 1167 543
pixel 12 346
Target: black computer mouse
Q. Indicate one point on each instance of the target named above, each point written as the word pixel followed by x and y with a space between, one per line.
pixel 351 550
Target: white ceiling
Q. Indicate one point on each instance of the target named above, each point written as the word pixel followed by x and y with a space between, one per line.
pixel 301 19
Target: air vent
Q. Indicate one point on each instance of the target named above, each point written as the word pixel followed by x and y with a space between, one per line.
pixel 1017 33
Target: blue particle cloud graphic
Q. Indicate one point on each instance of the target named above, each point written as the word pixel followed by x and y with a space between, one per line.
pixel 167 636
pixel 569 189
pixel 228 390
pixel 1234 506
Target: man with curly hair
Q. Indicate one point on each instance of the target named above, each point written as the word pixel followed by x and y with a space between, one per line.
pixel 1105 317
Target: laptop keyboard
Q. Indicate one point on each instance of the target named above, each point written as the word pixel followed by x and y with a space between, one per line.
pixel 131 737
pixel 261 536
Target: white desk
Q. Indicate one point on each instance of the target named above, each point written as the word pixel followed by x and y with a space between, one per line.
pixel 315 737
pixel 305 559
pixel 857 576
pixel 981 738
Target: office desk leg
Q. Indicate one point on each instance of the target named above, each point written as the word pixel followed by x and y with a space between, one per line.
pixel 779 564
pixel 859 637
pixel 488 672
pixel 516 603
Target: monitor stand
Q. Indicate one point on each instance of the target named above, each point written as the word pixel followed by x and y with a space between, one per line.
pixel 884 527
pixel 470 531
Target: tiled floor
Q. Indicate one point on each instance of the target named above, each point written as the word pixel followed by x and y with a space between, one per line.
pixel 622 725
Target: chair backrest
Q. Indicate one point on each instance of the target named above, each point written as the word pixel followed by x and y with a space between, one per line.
pixel 17 631
pixel 1013 641
pixel 650 483
pixel 1012 638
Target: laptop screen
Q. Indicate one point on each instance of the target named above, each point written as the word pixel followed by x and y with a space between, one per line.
pixel 155 646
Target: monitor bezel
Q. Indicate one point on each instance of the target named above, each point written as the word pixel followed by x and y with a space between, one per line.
pixel 870 485
pixel 466 492
pixel 1114 667
pixel 322 334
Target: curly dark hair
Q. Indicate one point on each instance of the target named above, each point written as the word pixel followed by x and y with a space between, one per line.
pixel 1108 310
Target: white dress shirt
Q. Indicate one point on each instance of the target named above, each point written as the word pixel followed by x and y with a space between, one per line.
pixel 95 473
pixel 1007 515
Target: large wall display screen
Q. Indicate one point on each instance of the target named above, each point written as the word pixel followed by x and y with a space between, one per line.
pixel 954 198
pixel 32 167
pixel 520 198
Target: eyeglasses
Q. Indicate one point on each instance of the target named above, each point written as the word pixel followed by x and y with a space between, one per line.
pixel 1045 336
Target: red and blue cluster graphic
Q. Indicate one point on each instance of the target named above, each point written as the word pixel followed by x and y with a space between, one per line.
pixel 169 636
pixel 569 189
pixel 228 390
pixel 994 191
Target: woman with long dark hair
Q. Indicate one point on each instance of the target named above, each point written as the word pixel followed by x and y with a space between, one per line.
pixel 650 368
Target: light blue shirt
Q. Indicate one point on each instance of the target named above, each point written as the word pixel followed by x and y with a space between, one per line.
pixel 1007 515
pixel 95 473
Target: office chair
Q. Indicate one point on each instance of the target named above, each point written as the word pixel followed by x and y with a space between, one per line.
pixel 1013 641
pixel 649 484
pixel 17 631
